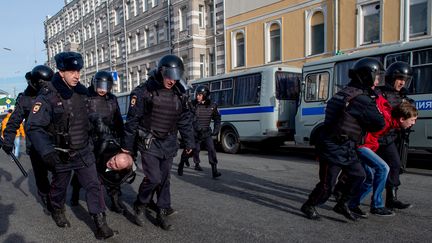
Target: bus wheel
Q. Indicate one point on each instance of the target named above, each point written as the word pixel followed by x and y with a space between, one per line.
pixel 230 142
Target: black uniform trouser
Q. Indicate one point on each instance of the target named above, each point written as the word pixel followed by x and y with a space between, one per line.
pixel 209 144
pixel 389 153
pixel 40 172
pixel 156 179
pixel 328 173
pixel 87 177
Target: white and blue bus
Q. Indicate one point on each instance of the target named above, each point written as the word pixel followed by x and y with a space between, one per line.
pixel 257 105
pixel 323 78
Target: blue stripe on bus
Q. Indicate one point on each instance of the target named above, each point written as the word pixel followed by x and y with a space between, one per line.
pixel 249 110
pixel 424 105
pixel 313 111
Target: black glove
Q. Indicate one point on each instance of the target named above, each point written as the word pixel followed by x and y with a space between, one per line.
pixel 51 160
pixel 7 148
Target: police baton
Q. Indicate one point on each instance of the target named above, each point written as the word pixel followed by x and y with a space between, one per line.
pixel 15 159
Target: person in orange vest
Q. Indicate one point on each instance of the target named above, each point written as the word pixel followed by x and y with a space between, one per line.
pixel 20 133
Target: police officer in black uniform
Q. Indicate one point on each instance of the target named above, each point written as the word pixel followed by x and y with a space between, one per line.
pixel 106 118
pixel 204 111
pixel 349 114
pixel 157 111
pixel 397 79
pixel 36 79
pixel 59 127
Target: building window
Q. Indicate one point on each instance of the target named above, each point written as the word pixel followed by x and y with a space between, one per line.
pixel 317 33
pixel 211 64
pixel 137 42
pixel 183 18
pixel 155 3
pixel 127 10
pixel 370 22
pixel 144 5
pixel 129 44
pixel 138 77
pixel 210 16
pixel 275 42
pixel 238 48
pixel 202 65
pixel 117 49
pixel 419 12
pixel 117 17
pixel 201 16
pixel 134 8
pixel 156 35
pixel 145 38
pixel 102 54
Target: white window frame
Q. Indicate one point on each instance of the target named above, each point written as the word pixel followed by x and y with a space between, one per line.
pixel 117 49
pixel 144 5
pixel 134 7
pixel 129 44
pixel 308 41
pixel 360 26
pixel 428 20
pixel 202 65
pixel 201 19
pixel 146 38
pixel 268 42
pixel 234 48
pixel 137 35
pixel 183 18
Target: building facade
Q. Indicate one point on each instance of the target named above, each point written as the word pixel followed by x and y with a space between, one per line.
pixel 293 32
pixel 128 37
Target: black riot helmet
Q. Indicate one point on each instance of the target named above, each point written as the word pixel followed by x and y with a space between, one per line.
pixel 398 70
pixel 366 70
pixel 39 75
pixel 171 66
pixel 103 81
pixel 202 89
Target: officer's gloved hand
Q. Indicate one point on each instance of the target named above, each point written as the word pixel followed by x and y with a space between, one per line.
pixel 101 128
pixel 51 160
pixel 7 148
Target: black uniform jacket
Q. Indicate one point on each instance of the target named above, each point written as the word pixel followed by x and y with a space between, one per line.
pixel 140 106
pixel 48 110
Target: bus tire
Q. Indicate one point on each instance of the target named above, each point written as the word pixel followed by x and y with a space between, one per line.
pixel 230 141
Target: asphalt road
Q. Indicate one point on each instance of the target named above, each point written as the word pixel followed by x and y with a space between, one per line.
pixel 257 199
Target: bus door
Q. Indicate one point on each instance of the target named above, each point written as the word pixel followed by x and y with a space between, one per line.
pixel 315 94
pixel 287 94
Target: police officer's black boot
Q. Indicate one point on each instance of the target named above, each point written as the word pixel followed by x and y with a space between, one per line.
pixel 341 207
pixel 215 173
pixel 309 210
pixel 59 217
pixel 198 167
pixel 180 168
pixel 139 209
pixel 162 219
pixel 391 200
pixel 116 203
pixel 103 231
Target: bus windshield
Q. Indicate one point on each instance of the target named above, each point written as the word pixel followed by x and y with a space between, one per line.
pixel 287 85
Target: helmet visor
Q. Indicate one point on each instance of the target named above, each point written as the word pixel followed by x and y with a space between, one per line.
pixel 172 73
pixel 103 86
pixel 379 78
pixel 406 78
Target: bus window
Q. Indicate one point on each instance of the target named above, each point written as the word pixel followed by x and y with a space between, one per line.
pixel 221 92
pixel 399 57
pixel 287 85
pixel 422 72
pixel 341 77
pixel 317 86
pixel 247 90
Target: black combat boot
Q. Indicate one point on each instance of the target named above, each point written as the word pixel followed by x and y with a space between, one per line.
pixel 103 231
pixel 75 195
pixel 198 167
pixel 116 203
pixel 391 200
pixel 215 173
pixel 139 209
pixel 310 211
pixel 162 219
pixel 341 207
pixel 180 168
pixel 59 217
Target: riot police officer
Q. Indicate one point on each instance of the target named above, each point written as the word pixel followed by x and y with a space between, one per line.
pixel 204 111
pixel 59 127
pixel 397 80
pixel 157 111
pixel 108 123
pixel 349 114
pixel 36 79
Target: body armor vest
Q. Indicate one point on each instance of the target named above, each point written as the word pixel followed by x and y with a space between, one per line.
pixel 204 113
pixel 393 97
pixel 104 107
pixel 166 108
pixel 343 125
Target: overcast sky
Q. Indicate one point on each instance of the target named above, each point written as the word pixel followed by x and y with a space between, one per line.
pixel 21 43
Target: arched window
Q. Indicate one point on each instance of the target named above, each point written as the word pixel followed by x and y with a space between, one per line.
pixel 274 35
pixel 317 33
pixel 238 46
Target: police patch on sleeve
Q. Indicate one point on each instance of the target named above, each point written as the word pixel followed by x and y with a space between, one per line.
pixel 36 107
pixel 133 100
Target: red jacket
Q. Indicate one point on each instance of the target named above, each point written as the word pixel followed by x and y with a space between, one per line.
pixel 371 139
